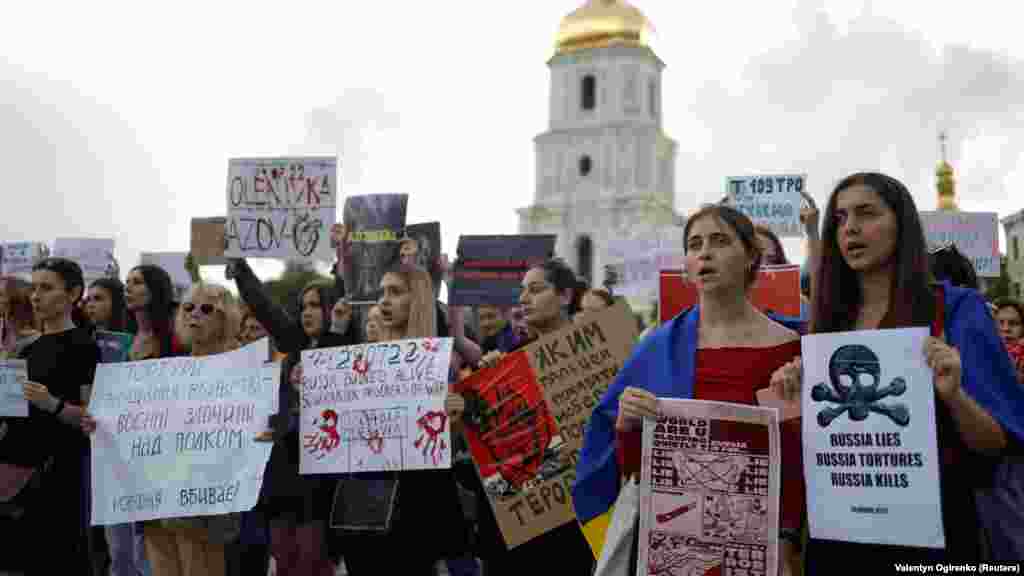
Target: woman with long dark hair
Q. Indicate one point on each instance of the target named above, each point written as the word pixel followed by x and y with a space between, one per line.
pixel 17 323
pixel 48 537
pixel 296 506
pixel 105 305
pixel 724 349
pixel 873 274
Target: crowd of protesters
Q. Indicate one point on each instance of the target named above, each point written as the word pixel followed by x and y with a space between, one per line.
pixel 868 268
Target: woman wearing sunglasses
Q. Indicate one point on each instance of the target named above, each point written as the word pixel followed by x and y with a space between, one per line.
pixel 297 506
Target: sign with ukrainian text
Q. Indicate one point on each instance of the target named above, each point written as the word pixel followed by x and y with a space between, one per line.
pixel 773 201
pixel 175 436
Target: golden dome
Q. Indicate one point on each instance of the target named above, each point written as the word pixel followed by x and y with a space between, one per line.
pixel 600 23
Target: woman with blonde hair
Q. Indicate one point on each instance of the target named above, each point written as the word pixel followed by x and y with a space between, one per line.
pixel 426 500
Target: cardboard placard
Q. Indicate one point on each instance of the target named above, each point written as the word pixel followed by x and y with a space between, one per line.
pixel 208 241
pixel 525 418
pixel 489 269
pixel 777 290
pixel 281 208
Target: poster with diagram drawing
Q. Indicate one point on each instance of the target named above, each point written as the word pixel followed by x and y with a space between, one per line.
pixel 709 490
pixel 375 407
pixel 869 438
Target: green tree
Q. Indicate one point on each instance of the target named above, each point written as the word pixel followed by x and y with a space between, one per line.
pixel 1000 287
pixel 285 289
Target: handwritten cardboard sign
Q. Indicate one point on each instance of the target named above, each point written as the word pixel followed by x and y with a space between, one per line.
pixel 975 234
pixel 489 269
pixel 777 290
pixel 18 258
pixel 773 201
pixel 175 436
pixel 94 255
pixel 174 264
pixel 13 374
pixel 375 223
pixel 376 407
pixel 710 488
pixel 208 243
pixel 281 208
pixel 871 459
pixel 525 418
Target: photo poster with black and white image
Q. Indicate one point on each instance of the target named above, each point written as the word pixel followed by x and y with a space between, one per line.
pixel 375 223
pixel 869 438
pixel 489 269
pixel 421 246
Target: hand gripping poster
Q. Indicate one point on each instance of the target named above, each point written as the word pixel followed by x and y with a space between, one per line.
pixel 709 490
pixel 375 407
pixel 525 417
pixel 869 437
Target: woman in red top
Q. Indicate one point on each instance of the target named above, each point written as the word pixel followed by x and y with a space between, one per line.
pixel 1010 317
pixel 738 348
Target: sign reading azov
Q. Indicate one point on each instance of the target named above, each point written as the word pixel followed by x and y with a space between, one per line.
pixel 281 208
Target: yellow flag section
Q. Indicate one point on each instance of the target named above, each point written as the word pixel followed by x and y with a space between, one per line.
pixel 525 419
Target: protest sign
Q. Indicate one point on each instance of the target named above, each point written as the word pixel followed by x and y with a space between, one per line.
pixel 709 489
pixel 525 419
pixel 374 223
pixel 776 290
pixel 281 208
pixel 207 242
pixel 375 407
pixel 489 269
pixel 175 436
pixel 421 246
pixel 637 262
pixel 975 234
pixel 18 258
pixel 773 201
pixel 174 264
pixel 114 346
pixel 94 255
pixel 870 450
pixel 13 374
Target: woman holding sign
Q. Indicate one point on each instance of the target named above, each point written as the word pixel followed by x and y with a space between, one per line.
pixel 874 274
pixel 48 538
pixel 724 350
pixel 429 525
pixel 296 506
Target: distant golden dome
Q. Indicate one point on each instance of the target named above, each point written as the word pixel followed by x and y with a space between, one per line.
pixel 600 23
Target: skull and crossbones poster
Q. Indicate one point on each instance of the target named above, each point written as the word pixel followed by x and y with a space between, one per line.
pixel 869 437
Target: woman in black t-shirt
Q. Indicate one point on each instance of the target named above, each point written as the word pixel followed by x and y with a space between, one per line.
pixel 60 362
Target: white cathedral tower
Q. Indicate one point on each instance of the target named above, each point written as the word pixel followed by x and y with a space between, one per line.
pixel 605 168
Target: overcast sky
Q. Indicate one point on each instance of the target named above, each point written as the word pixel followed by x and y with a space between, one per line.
pixel 119 117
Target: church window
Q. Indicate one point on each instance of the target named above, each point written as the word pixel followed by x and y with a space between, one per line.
pixel 585 257
pixel 589 92
pixel 652 93
pixel 1016 248
pixel 586 165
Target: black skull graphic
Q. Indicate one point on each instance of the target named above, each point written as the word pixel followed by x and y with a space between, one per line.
pixel 848 393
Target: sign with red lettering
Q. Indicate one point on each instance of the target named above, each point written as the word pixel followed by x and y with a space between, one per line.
pixel 525 418
pixel 777 290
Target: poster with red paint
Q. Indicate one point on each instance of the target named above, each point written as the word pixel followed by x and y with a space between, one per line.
pixel 777 290
pixel 709 490
pixel 525 417
pixel 375 407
